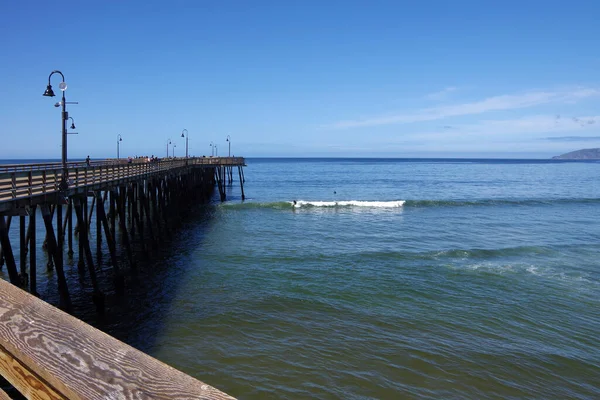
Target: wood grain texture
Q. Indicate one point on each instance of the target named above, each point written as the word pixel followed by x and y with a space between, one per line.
pixel 81 362
pixel 24 380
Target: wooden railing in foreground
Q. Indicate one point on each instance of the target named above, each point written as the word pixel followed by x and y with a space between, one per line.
pixel 48 354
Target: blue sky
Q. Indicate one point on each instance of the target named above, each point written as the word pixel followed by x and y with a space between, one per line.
pixel 303 78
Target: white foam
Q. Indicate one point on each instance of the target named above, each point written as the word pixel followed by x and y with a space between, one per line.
pixel 349 203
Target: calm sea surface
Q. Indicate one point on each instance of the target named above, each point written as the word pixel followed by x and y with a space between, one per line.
pixel 391 279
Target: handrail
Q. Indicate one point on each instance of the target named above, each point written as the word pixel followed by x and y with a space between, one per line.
pixel 22 183
pixel 46 353
pixel 82 163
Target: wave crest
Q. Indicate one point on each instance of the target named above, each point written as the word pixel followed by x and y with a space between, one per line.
pixel 348 203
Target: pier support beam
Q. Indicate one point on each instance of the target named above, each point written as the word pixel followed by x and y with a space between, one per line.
pixel 32 253
pixel 99 204
pixel 56 252
pixel 97 296
pixel 24 277
pixel 8 221
pixel 240 172
pixel 8 253
pixel 70 227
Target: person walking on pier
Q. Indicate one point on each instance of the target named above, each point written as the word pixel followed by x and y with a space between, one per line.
pixel 87 161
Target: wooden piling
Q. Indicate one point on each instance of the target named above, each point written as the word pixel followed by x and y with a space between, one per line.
pixel 125 235
pixel 59 227
pixel 112 210
pixel 89 217
pixel 240 172
pixel 97 296
pixel 23 252
pixel 99 204
pixel 8 221
pixel 70 227
pixel 65 299
pixel 110 241
pixel 9 258
pixel 32 253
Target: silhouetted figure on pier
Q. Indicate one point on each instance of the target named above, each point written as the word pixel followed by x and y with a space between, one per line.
pixel 87 161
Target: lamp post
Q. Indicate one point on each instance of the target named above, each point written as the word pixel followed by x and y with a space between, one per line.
pixel 186 136
pixel 168 143
pixel 216 151
pixel 174 145
pixel 119 139
pixel 229 141
pixel 64 182
pixel 72 122
pixel 212 149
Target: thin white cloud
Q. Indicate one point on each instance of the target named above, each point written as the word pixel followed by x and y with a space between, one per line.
pixel 487 134
pixel 535 124
pixel 441 95
pixel 495 103
pixel 573 139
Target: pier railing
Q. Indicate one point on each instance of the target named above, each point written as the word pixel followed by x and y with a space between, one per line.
pixel 19 181
pixel 48 354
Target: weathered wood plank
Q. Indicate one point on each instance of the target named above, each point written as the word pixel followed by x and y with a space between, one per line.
pixel 25 381
pixel 81 362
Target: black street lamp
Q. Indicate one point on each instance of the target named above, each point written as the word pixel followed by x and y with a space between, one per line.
pixel 212 149
pixel 64 182
pixel 229 140
pixel 168 143
pixel 174 145
pixel 72 122
pixel 216 151
pixel 119 140
pixel 186 136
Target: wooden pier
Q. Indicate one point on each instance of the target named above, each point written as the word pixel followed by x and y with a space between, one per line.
pixel 142 197
pixel 44 352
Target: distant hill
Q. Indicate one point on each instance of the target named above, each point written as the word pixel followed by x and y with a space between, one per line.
pixel 584 154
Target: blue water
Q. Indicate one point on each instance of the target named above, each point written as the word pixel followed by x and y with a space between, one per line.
pixel 483 284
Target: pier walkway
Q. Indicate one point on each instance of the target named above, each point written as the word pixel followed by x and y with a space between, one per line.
pixel 29 184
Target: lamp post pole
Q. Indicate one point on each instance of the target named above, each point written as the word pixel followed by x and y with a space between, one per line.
pixel 168 143
pixel 64 182
pixel 212 149
pixel 216 151
pixel 186 141
pixel 174 145
pixel 119 139
pixel 229 141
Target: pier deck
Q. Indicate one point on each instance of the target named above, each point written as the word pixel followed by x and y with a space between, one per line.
pixel 29 184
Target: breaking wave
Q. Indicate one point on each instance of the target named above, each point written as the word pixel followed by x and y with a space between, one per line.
pixel 407 203
pixel 349 203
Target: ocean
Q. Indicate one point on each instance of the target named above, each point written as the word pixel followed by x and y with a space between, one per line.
pixel 387 279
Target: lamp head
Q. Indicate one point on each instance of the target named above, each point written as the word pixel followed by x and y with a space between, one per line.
pixel 73 125
pixel 182 135
pixel 49 92
pixel 120 139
